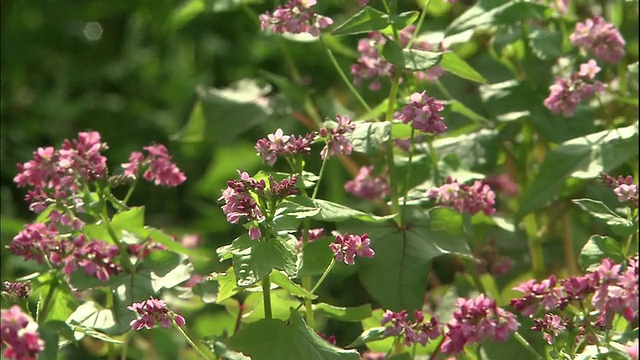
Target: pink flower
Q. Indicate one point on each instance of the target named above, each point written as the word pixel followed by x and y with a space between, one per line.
pixel 465 198
pixel 423 113
pixel 278 144
pixel 18 290
pixel 296 17
pixel 154 311
pixel 346 247
pixel 566 94
pixel 600 38
pixel 19 334
pixel 314 234
pixel 368 186
pixel 551 325
pixel 416 331
pixel 333 134
pixel 632 350
pixel 589 69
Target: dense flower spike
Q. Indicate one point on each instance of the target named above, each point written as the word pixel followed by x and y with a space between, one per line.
pixel 476 320
pixel 416 331
pixel 38 241
pixel 295 17
pixel 347 246
pixel 238 201
pixel 160 168
pixel 154 311
pixel 623 187
pixel 465 198
pixel 370 65
pixel 18 290
pixel 278 144
pixel 19 335
pixel 314 234
pixel 423 112
pixel 333 134
pixel 600 38
pixel 551 325
pixel 58 175
pixel 366 185
pixel 566 94
pixel 611 291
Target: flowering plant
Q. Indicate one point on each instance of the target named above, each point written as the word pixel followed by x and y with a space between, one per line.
pixel 434 182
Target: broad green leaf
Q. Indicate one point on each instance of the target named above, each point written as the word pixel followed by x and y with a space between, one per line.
pixel 455 65
pixel 597 248
pixel 343 313
pixel 333 212
pixel 254 259
pixel 410 59
pixel 546 44
pixel 217 287
pixel 477 149
pixel 270 339
pixel 279 278
pixel 373 334
pixel 369 137
pixel 599 210
pixel 221 351
pixel 55 298
pixel 396 276
pixel 583 158
pixel 207 290
pixel 92 316
pixel 403 20
pixel 366 20
pixel 281 305
pixel 509 13
pixel 316 257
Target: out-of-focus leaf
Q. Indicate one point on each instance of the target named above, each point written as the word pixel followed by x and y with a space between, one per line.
pixel 403 20
pixel 373 334
pixel 333 212
pixel 455 65
pixel 410 59
pixel 286 283
pixel 316 257
pixel 597 248
pixel 366 20
pixel 369 137
pixel 509 13
pixel 546 45
pixel 343 313
pixel 599 210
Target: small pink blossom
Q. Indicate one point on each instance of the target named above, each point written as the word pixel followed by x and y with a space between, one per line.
pixel 423 112
pixel 366 185
pixel 278 144
pixel 589 69
pixel 551 325
pixel 160 169
pixel 154 311
pixel 334 135
pixel 599 38
pixel 566 94
pixel 347 246
pixel 412 331
pixel 18 333
pixel 465 198
pixel 295 17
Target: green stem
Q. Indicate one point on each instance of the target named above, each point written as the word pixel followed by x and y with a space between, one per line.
pixel 535 246
pixel 266 295
pixel 315 190
pixel 344 77
pixel 393 181
pixel 121 205
pixel 405 187
pixel 323 276
pixel 193 345
pixel 527 346
pixel 423 15
pixel 47 300
pixel 110 346
pixel 434 161
pixel 125 346
pixel 107 224
pixel 133 186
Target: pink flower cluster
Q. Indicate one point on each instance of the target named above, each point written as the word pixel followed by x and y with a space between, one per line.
pixel 476 320
pixel 38 241
pixel 551 325
pixel 600 38
pixel 278 144
pixel 423 112
pixel 296 17
pixel 566 94
pixel 154 311
pixel 465 198
pixel 370 65
pixel 19 335
pixel 623 187
pixel 160 169
pixel 143 250
pixel 56 175
pixel 18 289
pixel 314 234
pixel 416 331
pixel 611 289
pixel 347 246
pixel 366 185
pixel 333 134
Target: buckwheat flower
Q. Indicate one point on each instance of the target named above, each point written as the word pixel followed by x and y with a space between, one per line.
pixel 566 94
pixel 34 242
pixel 551 325
pixel 95 257
pixel 278 144
pixel 623 187
pixel 331 339
pixel 18 333
pixel 347 246
pixel 333 134
pixel 254 233
pixel 238 200
pixel 16 289
pixel 141 251
pixel 161 170
pixel 589 69
pixel 464 198
pixel 616 292
pixel 423 112
pixel 632 350
pixel 295 17
pixel 600 38
pixel 412 331
pixel 154 311
pixel 503 183
pixel 476 320
pixel 368 186
pixel 314 234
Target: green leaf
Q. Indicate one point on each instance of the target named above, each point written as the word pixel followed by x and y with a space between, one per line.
pixel 343 313
pixel 366 20
pixel 221 351
pixel 373 334
pixel 253 259
pixel 597 248
pixel 599 210
pixel 396 276
pixel 582 158
pixel 404 19
pixel 455 65
pixel 510 13
pixel 410 59
pixel 224 288
pixel 270 339
pixel 316 257
pixel 369 137
pixel 55 294
pixel 91 316
pixel 333 212
pixel 284 282
pixel 546 45
pixel 88 331
pixel 281 305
